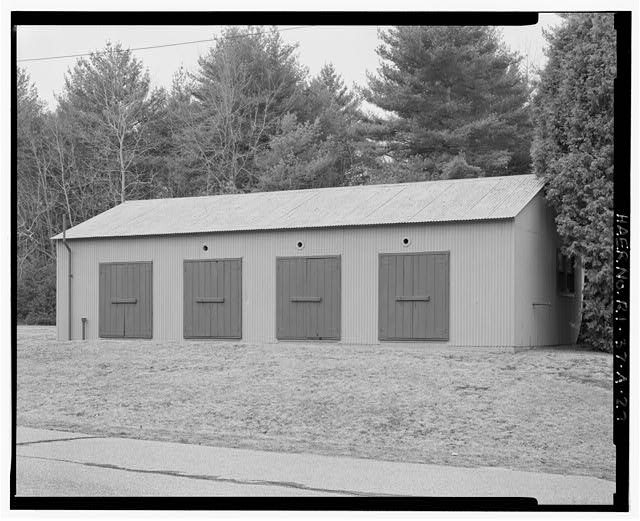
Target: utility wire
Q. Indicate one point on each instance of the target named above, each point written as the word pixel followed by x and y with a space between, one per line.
pixel 214 39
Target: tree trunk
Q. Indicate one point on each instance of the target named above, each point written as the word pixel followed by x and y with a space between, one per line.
pixel 122 171
pixel 60 150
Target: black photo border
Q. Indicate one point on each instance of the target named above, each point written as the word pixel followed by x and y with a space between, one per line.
pixel 622 133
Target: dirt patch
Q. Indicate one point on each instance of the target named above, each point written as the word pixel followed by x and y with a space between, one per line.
pixel 533 410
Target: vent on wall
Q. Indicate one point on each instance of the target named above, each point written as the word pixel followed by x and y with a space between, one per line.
pixel 300 245
pixel 406 241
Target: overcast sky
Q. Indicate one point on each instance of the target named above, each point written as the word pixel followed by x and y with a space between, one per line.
pixel 351 49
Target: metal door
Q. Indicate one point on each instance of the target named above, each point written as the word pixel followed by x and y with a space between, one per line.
pixel 414 296
pixel 213 298
pixel 308 298
pixel 125 300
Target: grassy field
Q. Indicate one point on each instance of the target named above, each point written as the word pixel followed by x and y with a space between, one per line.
pixel 547 410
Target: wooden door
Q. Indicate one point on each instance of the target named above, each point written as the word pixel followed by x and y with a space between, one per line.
pixel 414 296
pixel 213 298
pixel 308 298
pixel 126 300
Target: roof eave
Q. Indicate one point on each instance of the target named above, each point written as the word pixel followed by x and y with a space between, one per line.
pixel 288 228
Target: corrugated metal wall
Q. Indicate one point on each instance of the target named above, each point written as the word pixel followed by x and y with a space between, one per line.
pixel 481 276
pixel 542 317
pixel 62 265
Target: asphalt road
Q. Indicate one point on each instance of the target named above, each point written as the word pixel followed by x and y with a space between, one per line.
pixel 54 463
pixel 43 477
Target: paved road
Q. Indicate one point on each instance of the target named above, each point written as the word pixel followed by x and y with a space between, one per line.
pixel 54 463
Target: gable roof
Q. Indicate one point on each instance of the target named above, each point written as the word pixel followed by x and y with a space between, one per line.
pixel 424 202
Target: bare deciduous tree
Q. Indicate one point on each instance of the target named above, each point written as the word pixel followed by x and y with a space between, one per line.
pixel 109 100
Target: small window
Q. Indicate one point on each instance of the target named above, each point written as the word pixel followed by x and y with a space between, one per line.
pixel 565 268
pixel 300 245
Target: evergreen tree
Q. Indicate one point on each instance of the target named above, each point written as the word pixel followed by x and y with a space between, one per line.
pixel 297 158
pixel 458 99
pixel 327 99
pixel 228 110
pixel 316 145
pixel 573 153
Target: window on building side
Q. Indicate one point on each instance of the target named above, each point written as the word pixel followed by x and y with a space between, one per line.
pixel 565 267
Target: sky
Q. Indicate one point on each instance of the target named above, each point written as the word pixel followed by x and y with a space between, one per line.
pixel 351 49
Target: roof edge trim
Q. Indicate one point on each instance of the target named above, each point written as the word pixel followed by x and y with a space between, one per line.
pixel 287 229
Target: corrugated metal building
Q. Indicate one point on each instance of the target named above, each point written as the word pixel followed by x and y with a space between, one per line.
pixel 470 262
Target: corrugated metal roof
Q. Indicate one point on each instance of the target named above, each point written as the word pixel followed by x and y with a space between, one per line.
pixel 423 202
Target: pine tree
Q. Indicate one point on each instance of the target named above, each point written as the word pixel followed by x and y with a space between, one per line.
pixel 328 99
pixel 573 153
pixel 458 99
pixel 317 144
pixel 297 158
pixel 244 86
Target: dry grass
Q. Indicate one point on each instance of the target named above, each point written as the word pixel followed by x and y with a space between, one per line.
pixel 547 410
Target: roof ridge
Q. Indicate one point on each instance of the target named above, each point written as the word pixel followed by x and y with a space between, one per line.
pixel 344 187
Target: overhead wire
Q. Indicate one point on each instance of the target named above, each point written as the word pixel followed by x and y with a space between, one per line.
pixel 159 46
